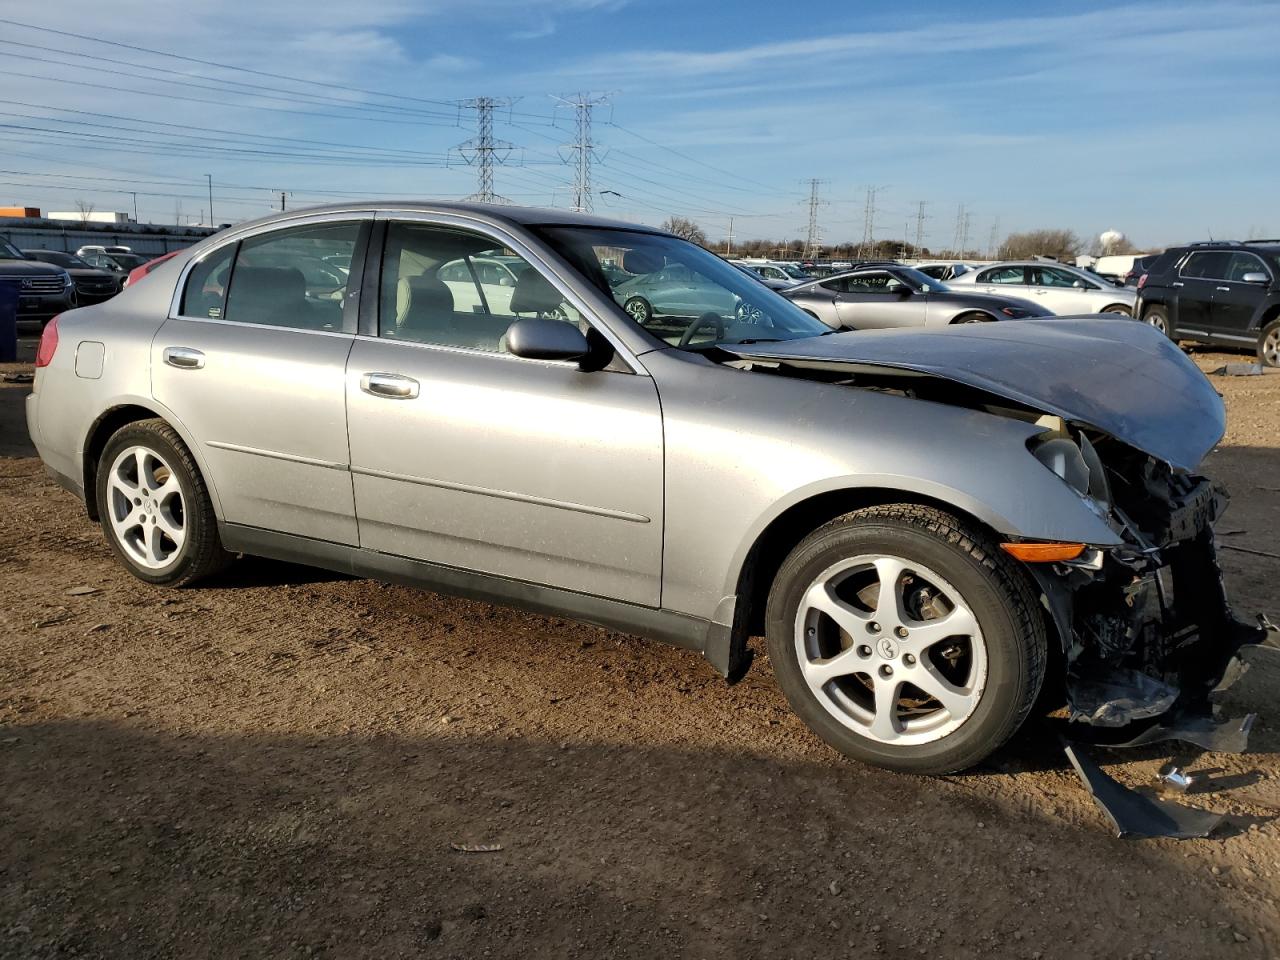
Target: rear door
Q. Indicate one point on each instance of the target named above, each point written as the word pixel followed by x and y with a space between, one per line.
pixel 1235 301
pixel 1194 288
pixel 252 361
pixel 1011 281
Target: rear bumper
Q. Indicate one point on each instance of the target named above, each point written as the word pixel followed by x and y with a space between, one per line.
pixel 62 472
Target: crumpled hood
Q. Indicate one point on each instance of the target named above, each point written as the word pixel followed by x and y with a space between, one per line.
pixel 1121 377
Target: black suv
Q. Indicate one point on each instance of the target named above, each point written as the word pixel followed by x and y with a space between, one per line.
pixel 1222 292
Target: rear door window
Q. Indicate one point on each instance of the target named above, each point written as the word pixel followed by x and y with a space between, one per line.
pixel 1207 264
pixel 294 277
pixel 1003 275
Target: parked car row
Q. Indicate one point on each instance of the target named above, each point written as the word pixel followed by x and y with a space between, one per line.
pixel 51 281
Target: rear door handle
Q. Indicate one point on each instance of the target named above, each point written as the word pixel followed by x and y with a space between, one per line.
pixel 1176 283
pixel 1223 289
pixel 391 385
pixel 184 358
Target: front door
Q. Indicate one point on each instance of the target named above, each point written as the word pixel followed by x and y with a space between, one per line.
pixel 253 365
pixel 464 455
pixel 877 299
pixel 1235 300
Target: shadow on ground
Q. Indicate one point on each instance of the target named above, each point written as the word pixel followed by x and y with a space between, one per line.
pixel 121 842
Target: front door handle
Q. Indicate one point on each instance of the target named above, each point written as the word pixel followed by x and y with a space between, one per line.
pixel 185 358
pixel 1176 283
pixel 391 385
pixel 1223 289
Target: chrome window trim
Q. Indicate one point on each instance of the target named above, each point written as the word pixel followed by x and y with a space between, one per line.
pixel 535 259
pixel 248 233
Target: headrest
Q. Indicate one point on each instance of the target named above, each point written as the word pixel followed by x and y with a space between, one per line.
pixel 269 287
pixel 427 294
pixel 642 261
pixel 533 293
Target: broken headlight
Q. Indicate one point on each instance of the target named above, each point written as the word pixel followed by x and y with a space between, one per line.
pixel 1074 460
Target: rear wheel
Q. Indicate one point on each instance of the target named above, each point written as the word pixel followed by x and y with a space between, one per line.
pixel 1158 317
pixel 639 309
pixel 155 508
pixel 904 637
pixel 1119 309
pixel 1269 345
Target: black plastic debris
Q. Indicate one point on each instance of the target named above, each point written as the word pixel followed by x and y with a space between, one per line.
pixel 1134 814
pixel 1230 736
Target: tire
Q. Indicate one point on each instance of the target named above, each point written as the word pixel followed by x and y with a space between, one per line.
pixel 993 666
pixel 169 534
pixel 973 317
pixel 1158 317
pixel 639 309
pixel 1119 309
pixel 1269 345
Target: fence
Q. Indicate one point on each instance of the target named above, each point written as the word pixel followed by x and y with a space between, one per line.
pixel 148 240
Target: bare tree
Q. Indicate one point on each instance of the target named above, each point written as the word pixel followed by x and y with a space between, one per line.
pixel 686 228
pixel 1059 244
pixel 86 210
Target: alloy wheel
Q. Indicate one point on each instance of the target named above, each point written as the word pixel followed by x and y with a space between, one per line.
pixel 146 508
pixel 1271 348
pixel 891 650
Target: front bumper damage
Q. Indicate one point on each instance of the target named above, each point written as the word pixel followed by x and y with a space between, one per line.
pixel 1146 628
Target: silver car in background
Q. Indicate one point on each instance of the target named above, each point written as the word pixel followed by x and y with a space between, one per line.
pixel 1063 289
pixel 920 521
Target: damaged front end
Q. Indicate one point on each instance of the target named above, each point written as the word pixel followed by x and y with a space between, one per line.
pixel 1145 626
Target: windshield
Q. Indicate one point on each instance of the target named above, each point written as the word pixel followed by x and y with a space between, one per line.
pixel 678 291
pixel 9 252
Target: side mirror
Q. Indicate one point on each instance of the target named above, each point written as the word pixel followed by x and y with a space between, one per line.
pixel 1079 284
pixel 1255 276
pixel 536 339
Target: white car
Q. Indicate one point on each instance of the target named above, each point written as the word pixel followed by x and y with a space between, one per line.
pixel 945 270
pixel 1055 286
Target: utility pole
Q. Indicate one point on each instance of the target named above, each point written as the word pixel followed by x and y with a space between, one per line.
pixel 581 152
pixel 134 194
pixel 813 238
pixel 994 240
pixel 920 219
pixel 482 151
pixel 958 239
pixel 209 177
pixel 728 246
pixel 282 201
pixel 869 222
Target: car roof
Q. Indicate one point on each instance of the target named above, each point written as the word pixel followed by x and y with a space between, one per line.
pixel 496 212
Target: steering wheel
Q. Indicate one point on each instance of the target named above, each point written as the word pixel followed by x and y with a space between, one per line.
pixel 707 318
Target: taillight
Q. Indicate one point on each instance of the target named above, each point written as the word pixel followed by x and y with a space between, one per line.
pixel 1142 281
pixel 48 343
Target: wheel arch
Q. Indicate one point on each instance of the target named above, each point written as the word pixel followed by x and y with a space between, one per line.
pixel 959 315
pixel 764 556
pixel 120 414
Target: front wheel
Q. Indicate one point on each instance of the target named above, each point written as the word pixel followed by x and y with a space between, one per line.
pixel 973 318
pixel 1119 309
pixel 155 508
pixel 904 637
pixel 1269 345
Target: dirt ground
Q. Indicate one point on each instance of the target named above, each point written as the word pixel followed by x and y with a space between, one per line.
pixel 279 764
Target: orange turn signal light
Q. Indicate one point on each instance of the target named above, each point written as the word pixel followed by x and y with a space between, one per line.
pixel 1043 552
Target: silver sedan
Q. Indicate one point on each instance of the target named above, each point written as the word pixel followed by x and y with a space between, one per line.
pixel 919 521
pixel 1063 289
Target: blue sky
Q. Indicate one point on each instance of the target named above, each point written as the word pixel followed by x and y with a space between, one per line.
pixel 1156 119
